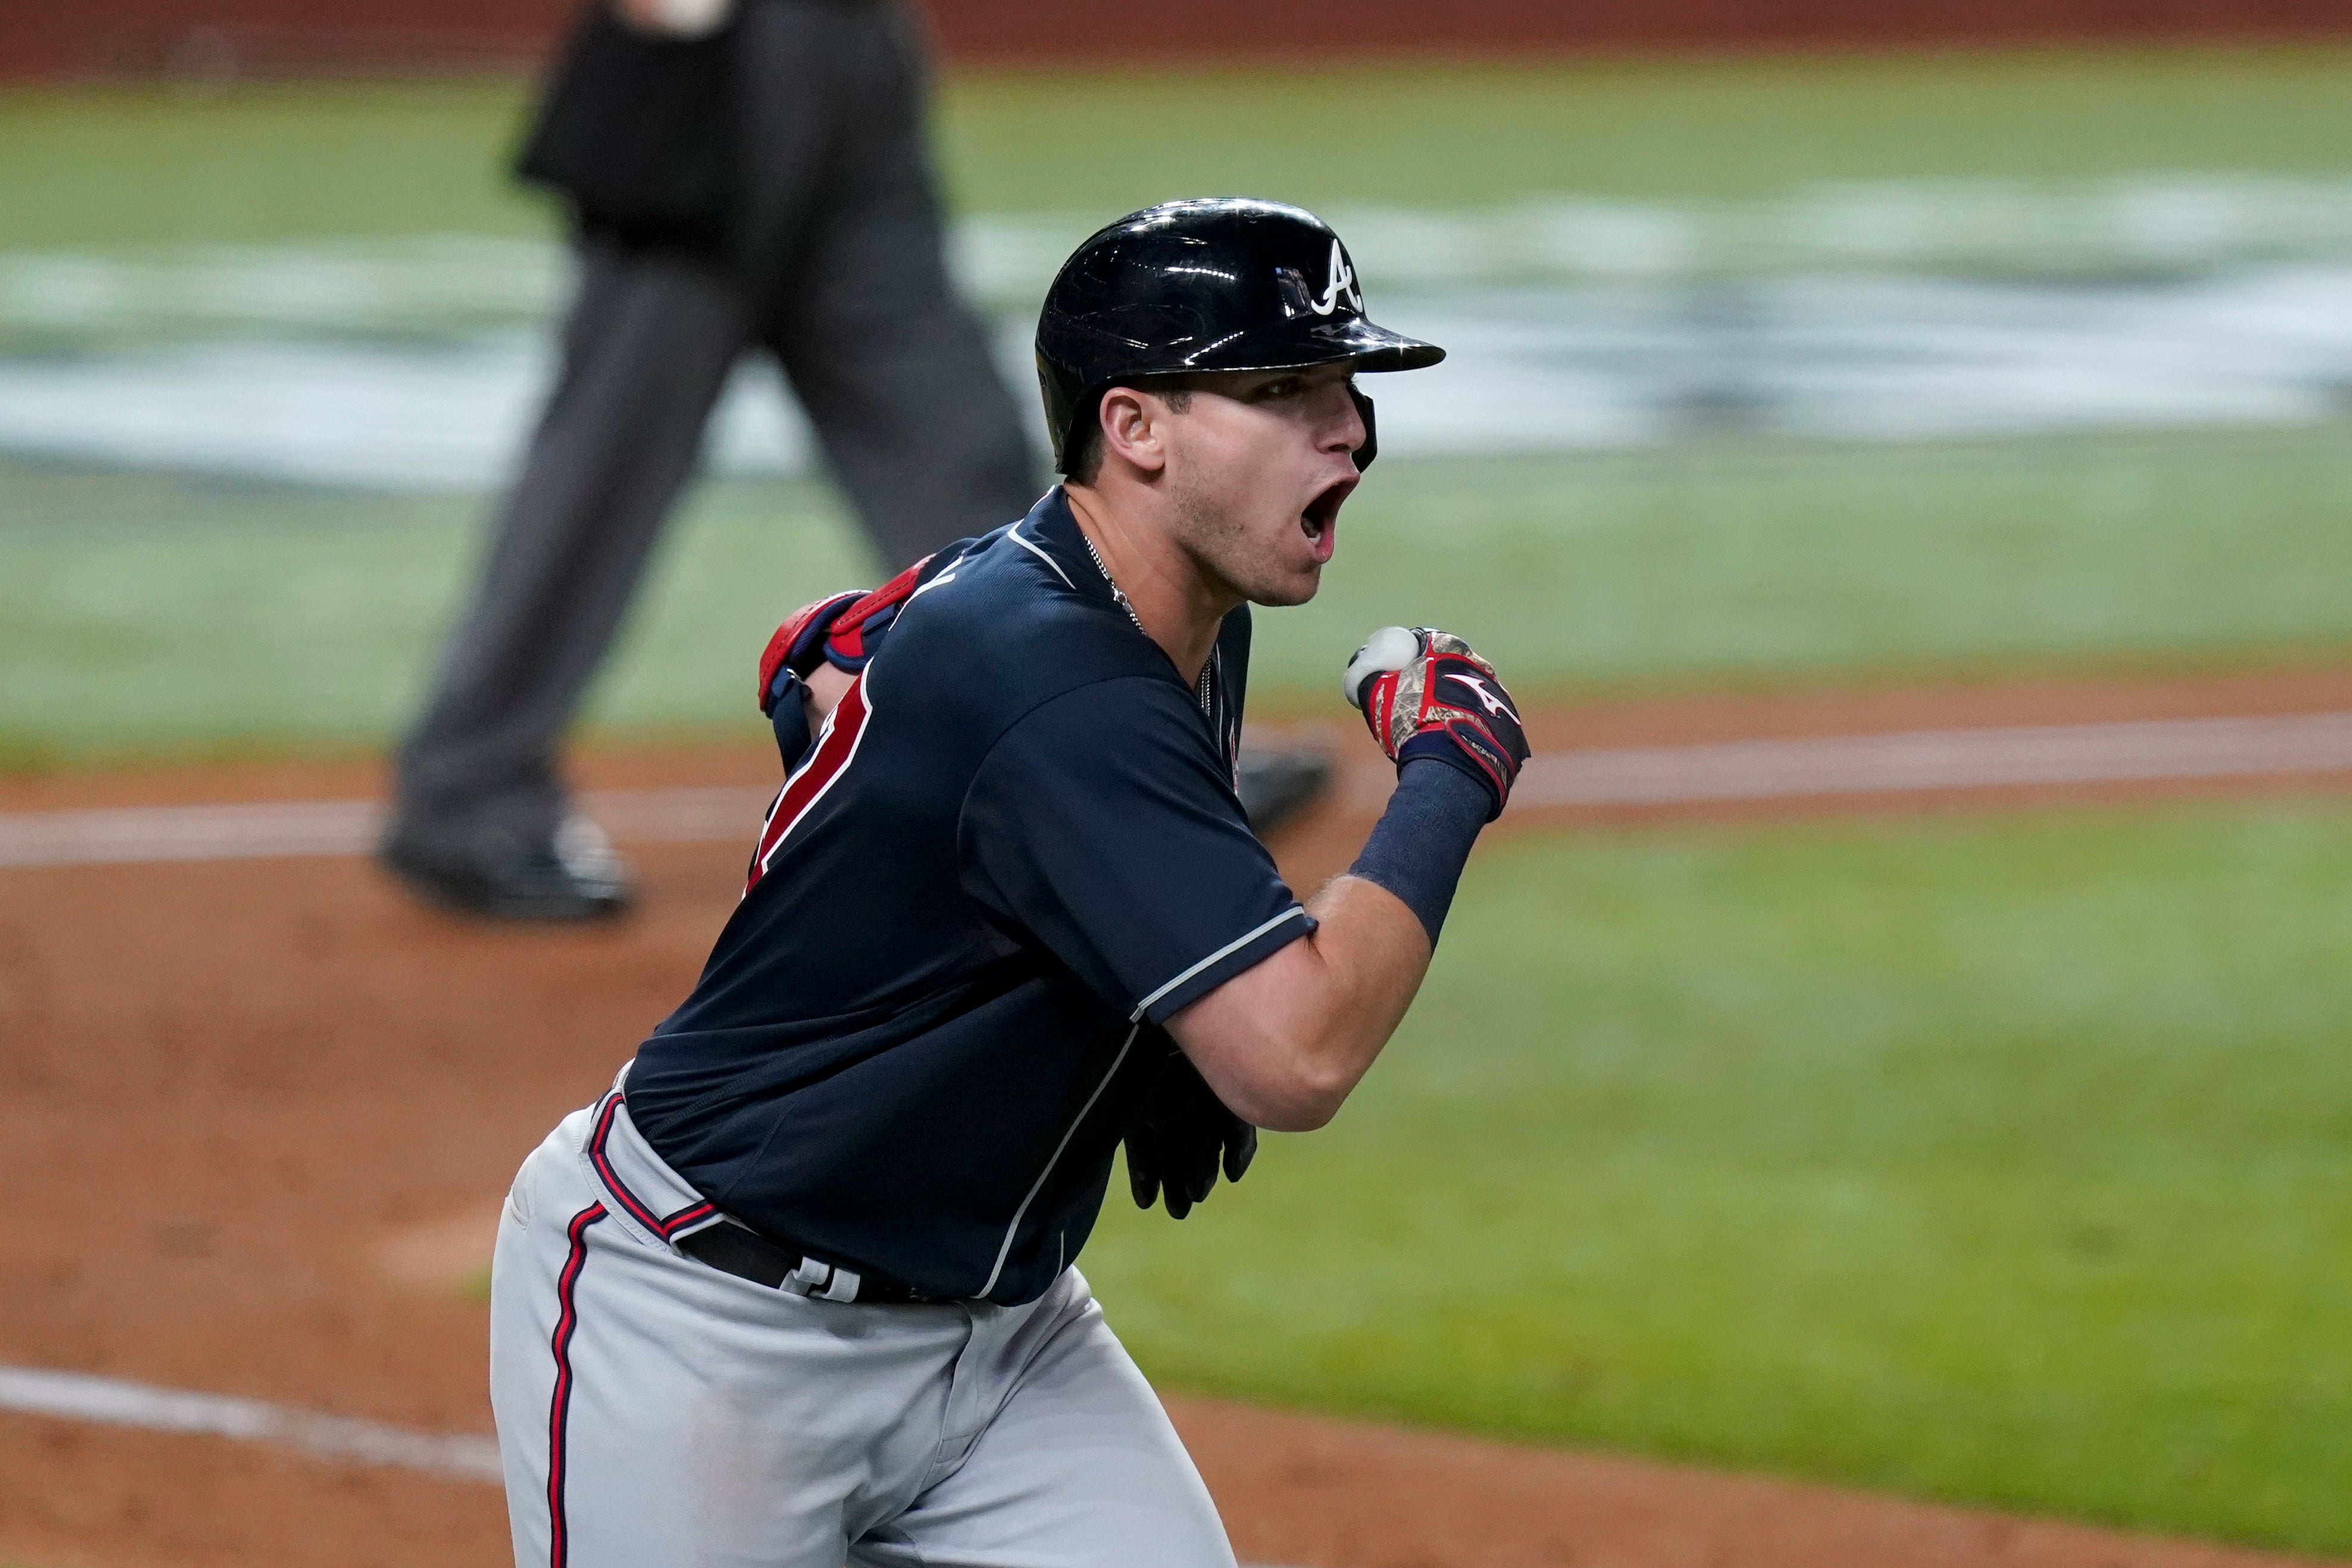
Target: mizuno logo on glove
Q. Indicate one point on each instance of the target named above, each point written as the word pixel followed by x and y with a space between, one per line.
pixel 1425 695
pixel 1493 704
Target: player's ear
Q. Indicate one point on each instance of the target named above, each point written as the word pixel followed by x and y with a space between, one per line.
pixel 1131 430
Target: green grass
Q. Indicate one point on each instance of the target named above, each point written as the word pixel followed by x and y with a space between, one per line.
pixel 2002 1160
pixel 145 614
pixel 149 615
pixel 111 167
pixel 115 167
pixel 1771 567
pixel 1436 135
pixel 1995 1160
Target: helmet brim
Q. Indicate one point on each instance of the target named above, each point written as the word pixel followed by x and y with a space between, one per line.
pixel 1301 344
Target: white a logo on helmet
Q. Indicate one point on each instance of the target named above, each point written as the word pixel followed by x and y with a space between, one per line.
pixel 1342 287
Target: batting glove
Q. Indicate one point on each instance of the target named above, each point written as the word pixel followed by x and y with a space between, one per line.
pixel 1179 1135
pixel 798 644
pixel 1425 695
pixel 842 630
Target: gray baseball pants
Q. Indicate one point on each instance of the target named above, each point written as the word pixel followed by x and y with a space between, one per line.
pixel 836 269
pixel 655 1413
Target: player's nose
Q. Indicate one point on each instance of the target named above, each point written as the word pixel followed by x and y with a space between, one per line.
pixel 1337 419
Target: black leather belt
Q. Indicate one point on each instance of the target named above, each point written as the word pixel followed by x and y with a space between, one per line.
pixel 732 1249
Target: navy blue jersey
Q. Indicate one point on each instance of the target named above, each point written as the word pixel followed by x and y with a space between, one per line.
pixel 1012 855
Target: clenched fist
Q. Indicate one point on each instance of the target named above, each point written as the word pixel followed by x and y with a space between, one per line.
pixel 1425 695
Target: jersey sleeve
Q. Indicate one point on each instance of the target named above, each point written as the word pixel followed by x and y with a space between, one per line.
pixel 1100 828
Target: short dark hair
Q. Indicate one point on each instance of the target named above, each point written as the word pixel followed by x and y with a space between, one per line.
pixel 1083 461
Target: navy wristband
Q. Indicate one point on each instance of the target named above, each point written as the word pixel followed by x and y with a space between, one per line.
pixel 1422 840
pixel 788 715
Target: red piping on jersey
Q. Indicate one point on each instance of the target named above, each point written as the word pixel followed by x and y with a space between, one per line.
pixel 691 1214
pixel 803 790
pixel 558 1415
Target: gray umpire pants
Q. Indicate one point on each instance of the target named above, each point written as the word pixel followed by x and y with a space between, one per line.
pixel 839 231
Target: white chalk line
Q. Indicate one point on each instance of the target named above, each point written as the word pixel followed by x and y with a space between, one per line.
pixel 272 828
pixel 1909 761
pixel 1895 763
pixel 117 1402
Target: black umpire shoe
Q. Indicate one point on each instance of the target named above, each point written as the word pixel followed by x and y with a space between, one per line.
pixel 1276 786
pixel 575 876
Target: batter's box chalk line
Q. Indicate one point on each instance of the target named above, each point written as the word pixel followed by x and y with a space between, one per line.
pixel 1796 768
pixel 118 1401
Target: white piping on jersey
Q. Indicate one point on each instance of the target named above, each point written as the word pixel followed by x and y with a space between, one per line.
pixel 1244 940
pixel 945 577
pixel 1135 1022
pixel 1014 534
pixel 1038 1186
pixel 766 856
pixel 808 760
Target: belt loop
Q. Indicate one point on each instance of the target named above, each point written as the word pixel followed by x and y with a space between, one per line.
pixel 822 1281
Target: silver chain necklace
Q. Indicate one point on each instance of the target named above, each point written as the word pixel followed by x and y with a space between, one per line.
pixel 1120 599
pixel 1116 596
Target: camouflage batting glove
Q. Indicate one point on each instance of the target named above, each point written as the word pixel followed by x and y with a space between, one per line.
pixel 1425 695
pixel 844 630
pixel 797 645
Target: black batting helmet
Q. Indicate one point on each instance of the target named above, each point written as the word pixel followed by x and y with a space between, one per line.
pixel 1221 283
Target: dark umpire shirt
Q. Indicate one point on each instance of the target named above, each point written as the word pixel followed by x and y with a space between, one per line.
pixel 1014 852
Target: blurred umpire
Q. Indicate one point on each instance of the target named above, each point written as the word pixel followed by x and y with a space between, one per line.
pixel 741 174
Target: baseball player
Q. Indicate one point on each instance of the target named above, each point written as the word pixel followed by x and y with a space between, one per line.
pixel 799 1289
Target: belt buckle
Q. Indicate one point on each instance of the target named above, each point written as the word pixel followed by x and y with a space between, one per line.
pixel 822 1281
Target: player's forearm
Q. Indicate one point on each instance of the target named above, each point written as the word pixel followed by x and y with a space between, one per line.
pixel 826 687
pixel 1285 1043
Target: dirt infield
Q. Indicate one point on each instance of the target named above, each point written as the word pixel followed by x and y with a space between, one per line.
pixel 255 1117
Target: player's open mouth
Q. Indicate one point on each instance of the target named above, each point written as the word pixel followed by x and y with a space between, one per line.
pixel 1320 520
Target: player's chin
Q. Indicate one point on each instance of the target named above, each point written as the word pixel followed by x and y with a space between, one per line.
pixel 1293 585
